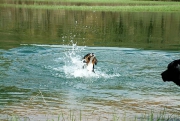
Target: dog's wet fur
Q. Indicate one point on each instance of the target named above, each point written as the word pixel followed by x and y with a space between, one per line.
pixel 89 60
pixel 172 73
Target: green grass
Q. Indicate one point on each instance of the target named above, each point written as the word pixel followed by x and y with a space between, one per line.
pixel 99 5
pixel 151 116
pixel 101 8
pixel 106 1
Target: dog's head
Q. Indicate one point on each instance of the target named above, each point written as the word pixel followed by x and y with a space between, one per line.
pixel 90 61
pixel 90 57
pixel 172 73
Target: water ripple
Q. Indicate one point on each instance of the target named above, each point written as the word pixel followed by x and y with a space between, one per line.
pixel 125 78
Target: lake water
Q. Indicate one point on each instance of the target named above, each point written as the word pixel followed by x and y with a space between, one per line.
pixel 41 69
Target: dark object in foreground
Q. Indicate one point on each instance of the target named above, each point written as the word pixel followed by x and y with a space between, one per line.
pixel 172 73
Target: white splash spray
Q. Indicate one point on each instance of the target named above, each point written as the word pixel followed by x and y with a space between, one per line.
pixel 74 65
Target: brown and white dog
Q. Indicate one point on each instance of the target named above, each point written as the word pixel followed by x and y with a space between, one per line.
pixel 89 60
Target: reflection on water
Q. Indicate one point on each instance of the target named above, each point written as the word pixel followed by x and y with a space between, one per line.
pixel 122 29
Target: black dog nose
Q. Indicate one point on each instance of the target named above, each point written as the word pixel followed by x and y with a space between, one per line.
pixel 164 76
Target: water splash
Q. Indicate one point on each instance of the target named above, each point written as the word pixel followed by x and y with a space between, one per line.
pixel 74 66
pixel 71 65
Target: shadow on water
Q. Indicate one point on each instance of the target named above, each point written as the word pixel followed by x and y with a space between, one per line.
pixel 120 29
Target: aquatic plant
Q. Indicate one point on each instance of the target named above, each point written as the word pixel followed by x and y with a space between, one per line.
pixel 151 116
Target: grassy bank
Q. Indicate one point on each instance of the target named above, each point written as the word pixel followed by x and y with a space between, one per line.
pixel 102 8
pixel 105 1
pixel 97 5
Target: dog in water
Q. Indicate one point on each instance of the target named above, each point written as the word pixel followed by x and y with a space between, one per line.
pixel 89 60
pixel 172 73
